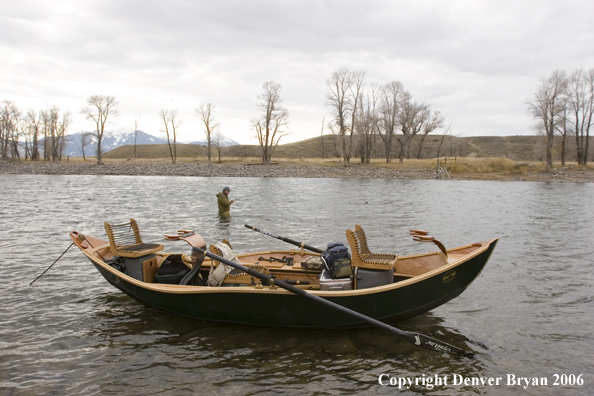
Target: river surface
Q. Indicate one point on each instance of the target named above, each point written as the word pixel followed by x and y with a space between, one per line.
pixel 530 313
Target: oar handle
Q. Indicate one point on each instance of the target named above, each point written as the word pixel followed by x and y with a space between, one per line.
pixel 414 338
pixel 288 240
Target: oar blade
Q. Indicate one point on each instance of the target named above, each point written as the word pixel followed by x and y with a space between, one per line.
pixel 426 342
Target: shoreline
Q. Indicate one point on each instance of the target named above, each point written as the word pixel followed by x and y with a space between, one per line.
pixel 566 174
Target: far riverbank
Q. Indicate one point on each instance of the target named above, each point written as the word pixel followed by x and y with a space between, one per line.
pixel 572 174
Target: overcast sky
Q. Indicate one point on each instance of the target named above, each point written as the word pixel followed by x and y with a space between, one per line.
pixel 475 61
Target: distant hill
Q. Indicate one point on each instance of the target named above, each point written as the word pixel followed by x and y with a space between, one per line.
pixel 517 148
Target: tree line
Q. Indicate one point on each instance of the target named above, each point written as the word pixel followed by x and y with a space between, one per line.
pixel 360 114
pixel 564 105
pixel 363 116
pixel 51 124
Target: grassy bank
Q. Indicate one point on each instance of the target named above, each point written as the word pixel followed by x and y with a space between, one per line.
pixel 475 168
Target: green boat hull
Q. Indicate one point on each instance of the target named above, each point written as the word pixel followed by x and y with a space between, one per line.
pixel 392 303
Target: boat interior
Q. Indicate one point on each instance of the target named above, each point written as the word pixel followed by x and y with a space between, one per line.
pixel 125 251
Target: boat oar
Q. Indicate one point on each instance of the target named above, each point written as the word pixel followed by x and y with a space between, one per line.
pixel 291 241
pixel 414 338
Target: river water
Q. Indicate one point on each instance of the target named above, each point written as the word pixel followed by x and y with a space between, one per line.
pixel 530 314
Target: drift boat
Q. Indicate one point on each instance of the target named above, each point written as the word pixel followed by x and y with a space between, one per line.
pixel 200 285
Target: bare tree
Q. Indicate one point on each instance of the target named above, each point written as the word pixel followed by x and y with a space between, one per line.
pixel 206 114
pixel 99 108
pixel 322 137
pixel 86 138
pixel 136 126
pixel 34 128
pixel 171 122
pixel 446 132
pixel 10 132
pixel 546 106
pixel 580 100
pixel 337 97
pixel 368 122
pixel 432 120
pixel 61 135
pixel 270 128
pixel 411 118
pixel 391 99
pixel 564 129
pixel 51 120
pixel 217 142
pixel 357 79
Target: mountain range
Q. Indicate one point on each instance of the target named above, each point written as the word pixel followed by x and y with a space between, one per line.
pixel 114 139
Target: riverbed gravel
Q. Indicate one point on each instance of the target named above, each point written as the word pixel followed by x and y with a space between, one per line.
pixel 565 174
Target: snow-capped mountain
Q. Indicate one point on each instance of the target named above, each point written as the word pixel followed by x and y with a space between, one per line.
pixel 120 137
pixel 110 141
pixel 223 142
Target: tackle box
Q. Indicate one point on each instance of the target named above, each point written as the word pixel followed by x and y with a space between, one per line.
pixel 327 283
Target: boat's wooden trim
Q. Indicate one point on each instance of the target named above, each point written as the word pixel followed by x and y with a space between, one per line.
pixel 184 289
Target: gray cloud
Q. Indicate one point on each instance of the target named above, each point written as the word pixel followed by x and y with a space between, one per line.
pixel 477 62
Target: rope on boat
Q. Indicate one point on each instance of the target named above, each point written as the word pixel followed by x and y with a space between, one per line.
pixel 52 264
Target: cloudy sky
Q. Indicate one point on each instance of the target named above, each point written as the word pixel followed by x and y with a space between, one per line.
pixel 476 61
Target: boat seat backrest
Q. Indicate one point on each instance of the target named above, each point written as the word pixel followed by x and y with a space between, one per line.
pixel 125 240
pixel 362 257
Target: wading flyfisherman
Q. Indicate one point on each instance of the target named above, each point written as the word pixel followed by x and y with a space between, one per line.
pixel 224 202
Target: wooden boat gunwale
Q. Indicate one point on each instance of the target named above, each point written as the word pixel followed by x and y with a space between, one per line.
pixel 190 289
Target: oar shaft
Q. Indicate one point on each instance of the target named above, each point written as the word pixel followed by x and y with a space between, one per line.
pixel 288 240
pixel 413 338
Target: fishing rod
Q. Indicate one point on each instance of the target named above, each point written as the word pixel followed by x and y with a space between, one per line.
pixel 288 240
pixel 417 339
pixel 245 196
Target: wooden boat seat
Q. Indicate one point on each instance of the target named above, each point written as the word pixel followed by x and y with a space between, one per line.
pixel 362 257
pixel 125 240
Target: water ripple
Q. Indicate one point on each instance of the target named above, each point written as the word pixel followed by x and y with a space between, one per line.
pixel 529 313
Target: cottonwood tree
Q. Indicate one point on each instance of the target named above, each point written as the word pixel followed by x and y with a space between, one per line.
pixel 391 98
pixel 546 106
pixel 136 126
pixel 171 122
pixel 368 122
pixel 10 131
pixel 410 118
pixel 217 142
pixel 344 90
pixel 356 91
pixel 271 126
pixel 206 114
pixel 61 134
pixel 564 129
pixel 52 118
pixel 580 102
pixel 433 121
pixel 99 108
pixel 34 128
pixel 56 131
pixel 86 138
